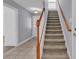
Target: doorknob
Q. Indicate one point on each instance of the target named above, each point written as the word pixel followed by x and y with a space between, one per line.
pixel 74 32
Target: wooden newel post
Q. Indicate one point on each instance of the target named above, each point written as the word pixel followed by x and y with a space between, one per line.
pixel 37 37
pixel 37 41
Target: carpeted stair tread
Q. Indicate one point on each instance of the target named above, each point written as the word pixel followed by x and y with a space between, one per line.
pixel 55 56
pixel 54 41
pixel 54 47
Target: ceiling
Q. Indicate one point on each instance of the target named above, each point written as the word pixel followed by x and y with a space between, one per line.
pixel 30 5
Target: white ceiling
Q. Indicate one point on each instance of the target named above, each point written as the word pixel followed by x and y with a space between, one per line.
pixel 30 4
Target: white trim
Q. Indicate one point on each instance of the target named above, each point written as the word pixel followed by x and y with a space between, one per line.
pixel 68 51
pixel 24 41
pixel 42 42
pixel 19 45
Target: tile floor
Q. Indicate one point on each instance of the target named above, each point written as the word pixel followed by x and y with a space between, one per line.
pixel 25 51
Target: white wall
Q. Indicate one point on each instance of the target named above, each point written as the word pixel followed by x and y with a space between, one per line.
pixel 66 6
pixel 25 25
pixel 34 30
pixel 19 23
pixel 35 18
pixel 73 29
pixel 52 4
pixel 10 26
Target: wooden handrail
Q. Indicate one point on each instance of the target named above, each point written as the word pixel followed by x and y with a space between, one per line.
pixel 65 20
pixel 37 38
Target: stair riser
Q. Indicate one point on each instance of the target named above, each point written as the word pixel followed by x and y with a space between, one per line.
pixel 53 21
pixel 53 24
pixel 61 51
pixel 51 15
pixel 58 35
pixel 54 43
pixel 54 13
pixel 53 27
pixel 53 32
pixel 55 51
pixel 56 40
pixel 54 37
pixel 55 57
pixel 55 17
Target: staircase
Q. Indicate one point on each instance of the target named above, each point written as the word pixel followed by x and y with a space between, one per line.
pixel 54 44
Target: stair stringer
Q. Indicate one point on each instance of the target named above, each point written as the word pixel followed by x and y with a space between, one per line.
pixel 42 39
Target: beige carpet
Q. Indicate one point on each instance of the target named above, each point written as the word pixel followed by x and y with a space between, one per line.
pixel 25 51
pixel 7 48
pixel 54 44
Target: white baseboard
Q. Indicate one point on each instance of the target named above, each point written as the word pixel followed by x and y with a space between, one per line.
pixel 68 51
pixel 24 41
pixel 18 45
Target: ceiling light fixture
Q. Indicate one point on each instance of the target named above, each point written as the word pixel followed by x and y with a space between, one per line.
pixel 35 11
